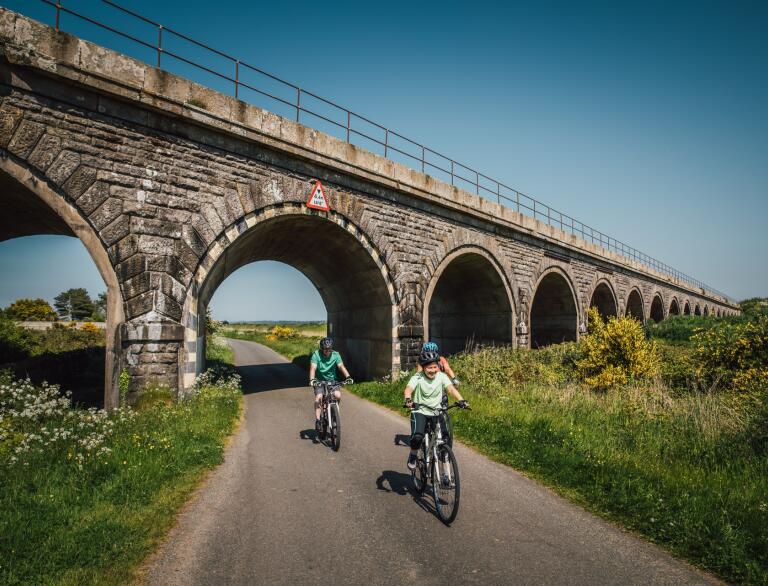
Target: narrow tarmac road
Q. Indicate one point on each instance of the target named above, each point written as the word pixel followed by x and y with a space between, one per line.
pixel 282 509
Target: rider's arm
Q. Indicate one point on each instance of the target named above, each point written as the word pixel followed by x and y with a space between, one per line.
pixel 312 370
pixel 449 371
pixel 408 392
pixel 454 391
pixel 343 370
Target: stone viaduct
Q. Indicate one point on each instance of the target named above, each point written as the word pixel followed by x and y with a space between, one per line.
pixel 170 198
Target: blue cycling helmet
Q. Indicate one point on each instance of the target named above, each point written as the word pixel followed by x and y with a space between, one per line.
pixel 430 347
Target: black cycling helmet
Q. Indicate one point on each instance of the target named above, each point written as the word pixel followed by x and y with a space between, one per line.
pixel 326 344
pixel 428 357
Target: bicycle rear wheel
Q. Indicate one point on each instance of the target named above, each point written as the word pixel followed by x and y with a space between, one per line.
pixel 335 427
pixel 445 484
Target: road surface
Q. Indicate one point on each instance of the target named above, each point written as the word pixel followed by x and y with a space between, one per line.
pixel 282 509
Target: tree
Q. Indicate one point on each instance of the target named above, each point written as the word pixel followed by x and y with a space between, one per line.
pixel 74 304
pixel 30 310
pixel 100 308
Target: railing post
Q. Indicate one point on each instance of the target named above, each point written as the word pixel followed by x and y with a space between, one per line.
pixel 386 141
pixel 498 192
pixel 237 77
pixel 58 14
pixel 349 123
pixel 477 184
pixel 159 43
pixel 298 103
pixel 423 157
pixel 451 171
pixel 517 200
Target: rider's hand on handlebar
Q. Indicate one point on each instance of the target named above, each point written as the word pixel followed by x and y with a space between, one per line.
pixel 348 381
pixel 455 382
pixel 463 404
pixel 408 404
pixel 313 382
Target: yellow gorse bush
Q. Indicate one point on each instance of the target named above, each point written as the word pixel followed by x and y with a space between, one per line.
pixel 615 352
pixel 734 355
pixel 282 333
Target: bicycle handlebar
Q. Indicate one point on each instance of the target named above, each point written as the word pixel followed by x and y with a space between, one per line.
pixel 456 405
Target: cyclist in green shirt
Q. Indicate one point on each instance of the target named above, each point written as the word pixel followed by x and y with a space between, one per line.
pixel 323 365
pixel 426 388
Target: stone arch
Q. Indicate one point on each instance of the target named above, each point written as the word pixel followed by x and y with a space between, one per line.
pixel 603 298
pixel 44 210
pixel 706 310
pixel 553 315
pixel 674 307
pixel 656 311
pixel 718 312
pixel 349 272
pixel 468 301
pixel 635 306
pixel 687 308
pixel 697 310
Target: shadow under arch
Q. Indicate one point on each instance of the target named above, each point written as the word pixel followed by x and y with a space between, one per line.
pixel 604 299
pixel 687 308
pixel 334 255
pixel 674 307
pixel 32 207
pixel 553 315
pixel 468 301
pixel 635 306
pixel 657 308
pixel 697 310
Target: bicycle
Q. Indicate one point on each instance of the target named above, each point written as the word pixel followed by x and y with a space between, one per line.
pixel 436 465
pixel 330 417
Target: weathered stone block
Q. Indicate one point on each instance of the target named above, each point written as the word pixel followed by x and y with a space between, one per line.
pixel 46 150
pixel 10 117
pixel 25 138
pixel 80 181
pixel 63 166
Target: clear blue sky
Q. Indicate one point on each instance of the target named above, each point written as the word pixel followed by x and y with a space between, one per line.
pixel 648 121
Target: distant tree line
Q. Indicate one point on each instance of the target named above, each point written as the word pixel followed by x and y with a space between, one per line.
pixel 70 305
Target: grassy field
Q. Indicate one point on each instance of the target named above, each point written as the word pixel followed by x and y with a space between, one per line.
pixel 686 470
pixel 316 329
pixel 296 349
pixel 85 496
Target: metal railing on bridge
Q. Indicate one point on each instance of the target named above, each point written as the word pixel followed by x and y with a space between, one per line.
pixel 311 109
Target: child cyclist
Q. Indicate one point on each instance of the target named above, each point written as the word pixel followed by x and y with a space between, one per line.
pixel 443 363
pixel 426 388
pixel 323 364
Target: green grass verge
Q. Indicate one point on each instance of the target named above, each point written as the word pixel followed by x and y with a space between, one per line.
pixel 676 470
pixel 681 469
pixel 94 523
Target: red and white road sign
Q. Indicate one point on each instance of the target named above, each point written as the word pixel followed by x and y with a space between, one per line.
pixel 317 199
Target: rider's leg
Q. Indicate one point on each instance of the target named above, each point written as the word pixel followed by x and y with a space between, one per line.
pixel 318 405
pixel 418 425
pixel 337 394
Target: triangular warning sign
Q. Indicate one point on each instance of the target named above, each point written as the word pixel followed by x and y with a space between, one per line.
pixel 317 199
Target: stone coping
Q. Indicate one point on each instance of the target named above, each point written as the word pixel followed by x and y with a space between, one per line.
pixel 27 42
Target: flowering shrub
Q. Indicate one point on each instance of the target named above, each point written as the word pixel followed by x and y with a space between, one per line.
pixel 734 355
pixel 40 420
pixel 282 333
pixel 615 352
pixel 91 328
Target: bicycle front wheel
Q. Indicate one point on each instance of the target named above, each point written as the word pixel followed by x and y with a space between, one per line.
pixel 335 427
pixel 445 484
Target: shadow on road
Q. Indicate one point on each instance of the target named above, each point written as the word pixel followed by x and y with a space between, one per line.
pixel 402 484
pixel 258 378
pixel 309 434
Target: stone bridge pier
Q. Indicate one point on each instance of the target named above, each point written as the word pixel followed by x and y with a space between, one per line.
pixel 171 187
